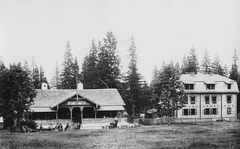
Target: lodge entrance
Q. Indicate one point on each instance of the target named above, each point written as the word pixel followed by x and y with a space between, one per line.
pixel 76 115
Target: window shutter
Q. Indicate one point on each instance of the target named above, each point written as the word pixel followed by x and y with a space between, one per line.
pixel 189 111
pixel 216 110
pixel 211 111
pixel 195 111
pixel 204 111
pixel 182 111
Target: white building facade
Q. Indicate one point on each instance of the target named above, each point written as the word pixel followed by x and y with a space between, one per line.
pixel 209 96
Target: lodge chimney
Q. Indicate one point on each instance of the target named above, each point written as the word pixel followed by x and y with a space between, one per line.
pixel 79 86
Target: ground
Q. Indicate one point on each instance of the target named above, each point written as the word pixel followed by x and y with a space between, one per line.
pixel 218 135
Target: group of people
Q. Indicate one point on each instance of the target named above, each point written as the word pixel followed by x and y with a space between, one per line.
pixel 59 127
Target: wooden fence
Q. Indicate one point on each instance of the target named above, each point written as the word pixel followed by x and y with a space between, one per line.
pixel 192 121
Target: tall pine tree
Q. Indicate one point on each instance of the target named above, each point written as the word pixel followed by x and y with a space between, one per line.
pixel 55 82
pixel 67 76
pixel 133 81
pixel 108 64
pixel 90 71
pixel 192 62
pixel 234 73
pixel 206 63
pixel 216 66
pixel 36 77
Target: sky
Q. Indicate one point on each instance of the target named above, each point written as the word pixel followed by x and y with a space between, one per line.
pixel 163 30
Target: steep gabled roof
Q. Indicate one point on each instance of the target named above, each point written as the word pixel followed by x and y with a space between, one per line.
pixel 50 98
pixel 102 97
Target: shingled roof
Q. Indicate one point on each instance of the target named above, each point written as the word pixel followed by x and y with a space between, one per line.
pixel 200 81
pixel 102 97
pixel 190 78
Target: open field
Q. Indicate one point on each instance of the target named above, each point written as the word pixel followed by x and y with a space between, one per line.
pixel 218 135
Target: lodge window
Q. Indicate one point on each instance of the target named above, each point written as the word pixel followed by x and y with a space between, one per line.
pixel 229 86
pixel 210 86
pixel 192 99
pixel 185 111
pixel 206 99
pixel 214 111
pixel 193 112
pixel 207 111
pixel 214 99
pixel 189 86
pixel 229 99
pixel 228 110
pixel 189 111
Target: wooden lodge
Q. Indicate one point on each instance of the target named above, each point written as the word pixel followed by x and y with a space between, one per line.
pixel 76 105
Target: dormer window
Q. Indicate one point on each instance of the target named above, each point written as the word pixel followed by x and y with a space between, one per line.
pixel 189 86
pixel 229 86
pixel 210 86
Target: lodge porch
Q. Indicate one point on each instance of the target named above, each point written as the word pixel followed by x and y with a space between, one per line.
pixel 75 114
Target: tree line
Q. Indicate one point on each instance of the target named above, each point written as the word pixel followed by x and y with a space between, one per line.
pixel 101 69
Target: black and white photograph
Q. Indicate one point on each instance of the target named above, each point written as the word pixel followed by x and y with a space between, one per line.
pixel 119 74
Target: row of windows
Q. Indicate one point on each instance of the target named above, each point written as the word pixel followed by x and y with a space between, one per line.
pixel 207 111
pixel 189 112
pixel 207 99
pixel 208 86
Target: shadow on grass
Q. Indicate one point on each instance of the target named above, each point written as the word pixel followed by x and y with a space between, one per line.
pixel 161 131
pixel 202 145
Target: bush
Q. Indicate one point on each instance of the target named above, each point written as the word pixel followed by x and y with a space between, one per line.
pixel 8 122
pixel 30 123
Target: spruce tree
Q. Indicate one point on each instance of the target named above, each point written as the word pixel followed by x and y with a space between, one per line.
pixel 16 93
pixel 84 73
pixel 133 81
pixel 67 75
pixel 36 77
pixel 216 66
pixel 234 73
pixel 192 62
pixel 108 65
pixel 206 63
pixel 169 91
pixel 184 64
pixel 55 82
pixel 90 64
pixel 154 77
pixel 76 74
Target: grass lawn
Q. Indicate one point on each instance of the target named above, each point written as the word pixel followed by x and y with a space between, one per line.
pixel 219 135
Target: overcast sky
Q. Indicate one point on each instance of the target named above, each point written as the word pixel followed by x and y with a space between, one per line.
pixel 163 30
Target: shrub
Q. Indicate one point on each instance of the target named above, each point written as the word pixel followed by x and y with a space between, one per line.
pixel 8 122
pixel 30 123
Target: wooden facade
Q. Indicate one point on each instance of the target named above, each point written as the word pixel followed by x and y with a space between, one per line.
pixel 76 105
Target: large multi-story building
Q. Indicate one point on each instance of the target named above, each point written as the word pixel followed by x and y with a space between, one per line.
pixel 209 96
